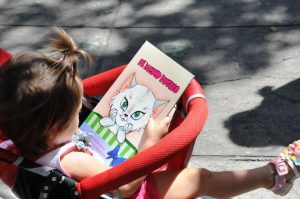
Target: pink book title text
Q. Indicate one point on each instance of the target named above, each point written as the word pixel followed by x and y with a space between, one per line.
pixel 172 86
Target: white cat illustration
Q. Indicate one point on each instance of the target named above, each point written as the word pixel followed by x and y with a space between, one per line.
pixel 130 110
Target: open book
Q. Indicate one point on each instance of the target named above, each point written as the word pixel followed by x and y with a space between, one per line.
pixel 149 86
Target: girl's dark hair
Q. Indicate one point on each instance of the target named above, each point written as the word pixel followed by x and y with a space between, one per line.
pixel 40 94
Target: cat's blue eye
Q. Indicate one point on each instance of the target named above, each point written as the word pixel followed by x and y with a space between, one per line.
pixel 124 104
pixel 137 115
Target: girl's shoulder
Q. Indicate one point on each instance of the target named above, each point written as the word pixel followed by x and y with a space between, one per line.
pixel 82 165
pixel 53 157
pixel 73 162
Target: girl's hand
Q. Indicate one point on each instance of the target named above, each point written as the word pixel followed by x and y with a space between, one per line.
pixel 155 130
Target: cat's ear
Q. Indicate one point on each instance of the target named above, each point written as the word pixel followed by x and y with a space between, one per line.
pixel 133 81
pixel 128 83
pixel 159 105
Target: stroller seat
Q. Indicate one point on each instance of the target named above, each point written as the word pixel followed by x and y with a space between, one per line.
pixel 177 145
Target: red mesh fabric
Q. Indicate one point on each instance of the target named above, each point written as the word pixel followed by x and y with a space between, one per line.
pixel 7 155
pixel 4 56
pixel 152 158
pixel 8 174
pixel 193 88
pixel 180 160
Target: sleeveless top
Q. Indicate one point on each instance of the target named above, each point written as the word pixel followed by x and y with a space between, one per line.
pixel 53 158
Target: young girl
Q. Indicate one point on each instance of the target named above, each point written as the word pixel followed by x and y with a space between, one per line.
pixel 40 100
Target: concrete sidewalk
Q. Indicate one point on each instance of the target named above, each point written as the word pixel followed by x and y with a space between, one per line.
pixel 244 53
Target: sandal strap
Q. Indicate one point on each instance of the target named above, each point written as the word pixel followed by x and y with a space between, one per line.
pixel 281 187
pixel 288 158
pixel 294 155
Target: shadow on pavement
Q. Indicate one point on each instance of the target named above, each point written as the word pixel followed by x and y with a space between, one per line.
pixel 209 37
pixel 274 122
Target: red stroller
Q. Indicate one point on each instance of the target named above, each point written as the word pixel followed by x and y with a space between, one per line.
pixel 30 180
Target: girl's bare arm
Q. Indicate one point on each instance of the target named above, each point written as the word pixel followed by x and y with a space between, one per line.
pixel 82 165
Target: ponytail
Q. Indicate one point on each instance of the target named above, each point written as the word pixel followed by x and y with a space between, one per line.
pixel 40 94
pixel 65 45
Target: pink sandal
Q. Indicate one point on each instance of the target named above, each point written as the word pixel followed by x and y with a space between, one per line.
pixel 289 157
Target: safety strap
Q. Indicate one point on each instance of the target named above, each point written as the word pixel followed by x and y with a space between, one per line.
pixel 55 178
pixel 21 162
pixel 52 176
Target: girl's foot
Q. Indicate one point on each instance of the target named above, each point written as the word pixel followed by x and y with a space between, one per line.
pixel 286 167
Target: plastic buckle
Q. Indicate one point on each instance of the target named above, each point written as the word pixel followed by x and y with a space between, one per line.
pixel 291 163
pixel 282 168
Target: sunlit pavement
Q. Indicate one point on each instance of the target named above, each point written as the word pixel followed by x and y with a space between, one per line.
pixel 244 53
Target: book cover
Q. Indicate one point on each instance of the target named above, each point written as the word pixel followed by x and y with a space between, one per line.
pixel 149 86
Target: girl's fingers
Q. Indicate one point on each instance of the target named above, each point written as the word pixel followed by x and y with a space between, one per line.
pixel 297 146
pixel 165 124
pixel 296 143
pixel 166 121
pixel 150 120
